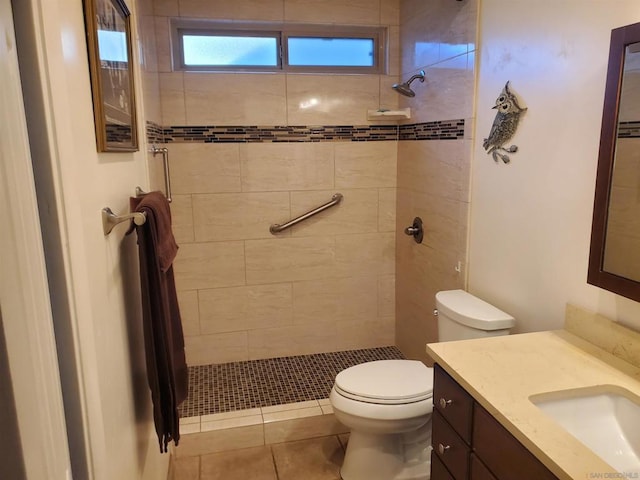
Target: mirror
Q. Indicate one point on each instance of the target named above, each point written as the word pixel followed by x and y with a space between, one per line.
pixel 614 260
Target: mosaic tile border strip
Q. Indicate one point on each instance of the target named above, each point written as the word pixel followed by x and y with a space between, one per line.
pixel 154 133
pixel 273 134
pixel 440 130
pixel 229 387
pixel 629 129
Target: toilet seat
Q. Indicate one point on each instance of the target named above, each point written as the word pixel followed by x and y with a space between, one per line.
pixel 386 382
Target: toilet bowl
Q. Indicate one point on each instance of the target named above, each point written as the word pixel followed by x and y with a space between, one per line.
pixel 387 404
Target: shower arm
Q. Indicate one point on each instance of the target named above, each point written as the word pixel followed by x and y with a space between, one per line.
pixel 417 75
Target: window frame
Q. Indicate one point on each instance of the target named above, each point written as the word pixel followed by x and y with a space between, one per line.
pixel 282 33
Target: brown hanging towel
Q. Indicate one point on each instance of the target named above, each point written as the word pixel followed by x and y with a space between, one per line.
pixel 163 337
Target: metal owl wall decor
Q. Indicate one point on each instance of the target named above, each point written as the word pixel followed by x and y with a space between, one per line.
pixel 504 126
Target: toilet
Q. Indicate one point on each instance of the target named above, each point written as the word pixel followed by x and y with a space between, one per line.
pixel 387 404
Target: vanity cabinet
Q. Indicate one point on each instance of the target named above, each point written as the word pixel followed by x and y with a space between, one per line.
pixel 469 444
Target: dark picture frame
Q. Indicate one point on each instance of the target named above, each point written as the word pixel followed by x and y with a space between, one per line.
pixel 108 29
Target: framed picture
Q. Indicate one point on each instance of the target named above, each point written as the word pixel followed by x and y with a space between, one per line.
pixel 111 66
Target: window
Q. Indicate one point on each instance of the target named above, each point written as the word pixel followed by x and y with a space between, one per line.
pixel 218 46
pixel 222 49
pixel 331 52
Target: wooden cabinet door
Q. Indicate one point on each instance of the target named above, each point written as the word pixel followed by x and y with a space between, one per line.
pixel 450 448
pixel 502 453
pixel 452 402
pixel 478 470
pixel 438 470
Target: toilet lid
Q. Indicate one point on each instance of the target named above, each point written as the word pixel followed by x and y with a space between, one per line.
pixel 386 382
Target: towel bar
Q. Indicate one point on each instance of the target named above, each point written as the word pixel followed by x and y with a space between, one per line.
pixel 110 219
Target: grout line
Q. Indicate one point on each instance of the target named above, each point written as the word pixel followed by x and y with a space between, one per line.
pixel 273 459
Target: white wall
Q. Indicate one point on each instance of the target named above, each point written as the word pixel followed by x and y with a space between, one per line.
pixel 531 219
pixel 100 272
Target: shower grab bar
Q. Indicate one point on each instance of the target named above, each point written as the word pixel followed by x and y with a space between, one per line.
pixel 165 165
pixel 276 227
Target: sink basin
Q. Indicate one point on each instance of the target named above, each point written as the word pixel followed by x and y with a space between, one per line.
pixel 605 420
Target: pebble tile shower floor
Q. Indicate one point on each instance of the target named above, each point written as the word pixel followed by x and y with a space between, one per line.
pixel 228 387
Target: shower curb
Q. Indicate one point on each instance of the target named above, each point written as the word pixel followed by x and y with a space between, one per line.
pixel 248 428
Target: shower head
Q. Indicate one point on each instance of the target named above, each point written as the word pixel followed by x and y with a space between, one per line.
pixel 405 88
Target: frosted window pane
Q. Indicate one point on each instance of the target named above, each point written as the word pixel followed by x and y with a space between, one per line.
pixel 334 52
pixel 230 51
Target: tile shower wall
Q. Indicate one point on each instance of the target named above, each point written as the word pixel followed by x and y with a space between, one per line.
pixel 433 176
pixel 150 88
pixel 325 285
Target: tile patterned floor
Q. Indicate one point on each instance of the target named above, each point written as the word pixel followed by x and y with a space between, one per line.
pixel 313 459
pixel 275 381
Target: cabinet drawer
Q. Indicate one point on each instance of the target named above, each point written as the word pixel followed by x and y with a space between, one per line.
pixel 449 447
pixel 478 469
pixel 438 470
pixel 453 402
pixel 502 453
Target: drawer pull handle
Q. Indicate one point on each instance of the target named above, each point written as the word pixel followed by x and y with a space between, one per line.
pixel 442 449
pixel 445 403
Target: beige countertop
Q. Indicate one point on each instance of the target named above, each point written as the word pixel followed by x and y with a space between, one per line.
pixel 503 372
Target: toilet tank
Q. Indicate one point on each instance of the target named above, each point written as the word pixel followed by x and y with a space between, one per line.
pixel 462 316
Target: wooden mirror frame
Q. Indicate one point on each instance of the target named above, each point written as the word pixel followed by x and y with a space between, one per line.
pixel 120 134
pixel 620 38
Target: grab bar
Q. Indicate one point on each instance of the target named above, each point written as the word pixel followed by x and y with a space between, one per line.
pixel 165 165
pixel 276 227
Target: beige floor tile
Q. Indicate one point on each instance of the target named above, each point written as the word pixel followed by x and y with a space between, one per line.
pixel 220 441
pixel 250 463
pixel 186 468
pixel 315 459
pixel 316 426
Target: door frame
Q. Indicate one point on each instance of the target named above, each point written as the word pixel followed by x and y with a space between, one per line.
pixel 24 292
